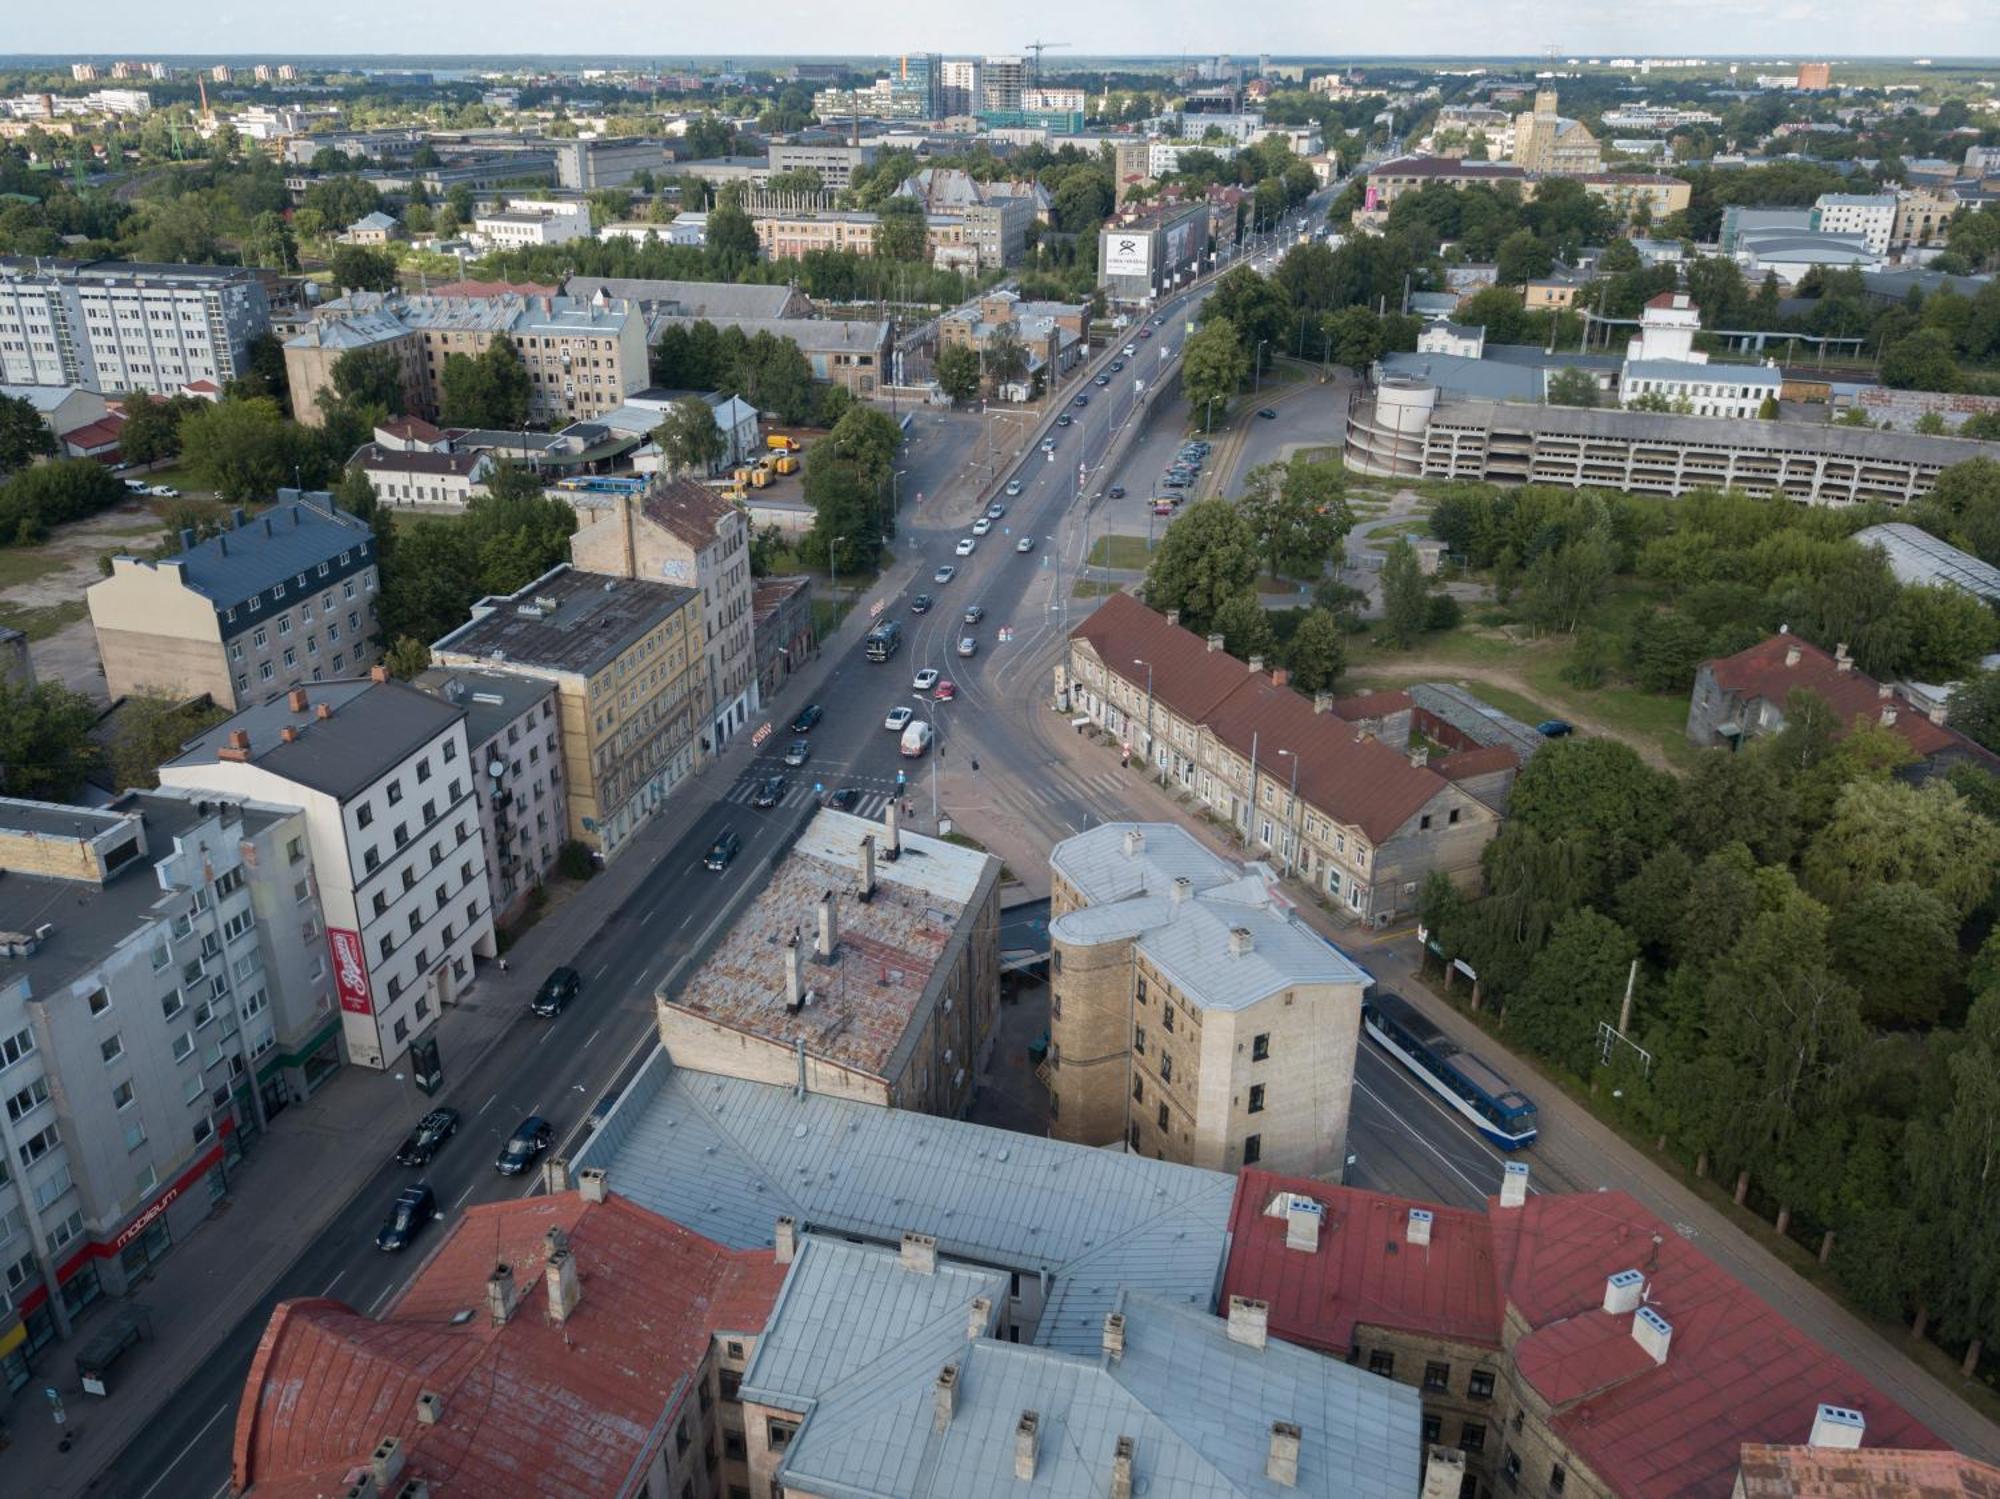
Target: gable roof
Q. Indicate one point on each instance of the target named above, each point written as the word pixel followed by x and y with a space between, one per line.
pixel 293 537
pixel 1767 671
pixel 691 512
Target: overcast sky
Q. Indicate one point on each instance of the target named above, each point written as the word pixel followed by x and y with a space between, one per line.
pixel 648 29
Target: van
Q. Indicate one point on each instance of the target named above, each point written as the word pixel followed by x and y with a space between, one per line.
pixel 916 739
pixel 778 442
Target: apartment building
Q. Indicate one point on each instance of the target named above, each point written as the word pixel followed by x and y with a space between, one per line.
pixel 585 166
pixel 312 352
pixel 1923 215
pixel 114 325
pixel 1055 335
pixel 406 474
pixel 1545 141
pixel 1872 216
pixel 1147 254
pixel 527 223
pixel 852 353
pixel 510 722
pixel 385 779
pixel 163 992
pixel 278 600
pixel 959 89
pixel 629 662
pixel 867 967
pixel 683 533
pixel 1190 1016
pixel 1354 817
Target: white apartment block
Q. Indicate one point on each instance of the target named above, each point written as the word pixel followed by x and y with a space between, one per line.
pixel 527 222
pixel 163 992
pixel 385 777
pixel 1870 215
pixel 114 326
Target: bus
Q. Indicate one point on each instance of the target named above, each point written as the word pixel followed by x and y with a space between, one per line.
pixel 884 640
pixel 1470 1088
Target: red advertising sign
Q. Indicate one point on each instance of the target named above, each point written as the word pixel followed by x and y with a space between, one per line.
pixel 350 971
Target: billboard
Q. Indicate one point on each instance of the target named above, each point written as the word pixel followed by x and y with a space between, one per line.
pixel 1177 240
pixel 350 971
pixel 1128 254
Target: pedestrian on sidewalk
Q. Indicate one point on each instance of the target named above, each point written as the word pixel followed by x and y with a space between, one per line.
pixel 503 965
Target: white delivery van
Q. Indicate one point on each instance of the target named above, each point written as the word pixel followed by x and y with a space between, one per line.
pixel 916 739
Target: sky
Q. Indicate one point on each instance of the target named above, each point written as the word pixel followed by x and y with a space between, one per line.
pixel 647 30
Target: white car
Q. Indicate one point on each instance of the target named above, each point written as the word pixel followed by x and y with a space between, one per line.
pixel 1025 544
pixel 965 546
pixel 899 719
pixel 137 486
pixel 924 680
pixel 1013 486
pixel 1130 350
pixel 164 492
pixel 981 526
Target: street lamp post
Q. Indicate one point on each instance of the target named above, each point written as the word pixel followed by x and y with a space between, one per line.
pixel 833 564
pixel 1149 704
pixel 1258 372
pixel 1291 811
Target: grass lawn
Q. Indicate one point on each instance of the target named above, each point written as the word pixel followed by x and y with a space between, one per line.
pixel 1119 551
pixel 1091 588
pixel 20 565
pixel 39 624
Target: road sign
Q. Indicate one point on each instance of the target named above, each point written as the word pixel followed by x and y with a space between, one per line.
pixel 763 732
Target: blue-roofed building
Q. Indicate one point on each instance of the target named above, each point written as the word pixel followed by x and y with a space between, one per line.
pixel 277 600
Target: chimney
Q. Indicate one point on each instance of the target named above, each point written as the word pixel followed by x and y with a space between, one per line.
pixel 1419 1229
pixel 1653 1333
pixel 1303 1217
pixel 386 1463
pixel 1183 888
pixel 1135 840
pixel 1256 665
pixel 979 1318
pixel 1420 757
pixel 867 886
pixel 895 837
pixel 1883 692
pixel 591 1183
pixel 792 991
pixel 1322 702
pixel 238 519
pixel 378 674
pixel 1024 1445
pixel 296 700
pixel 1121 1468
pixel 1837 1426
pixel 785 1240
pixel 565 1291
pixel 288 734
pixel 187 539
pixel 1249 1321
pixel 1239 941
pixel 944 1397
pixel 1622 1290
pixel 1113 1341
pixel 1282 1466
pixel 1888 716
pixel 1444 1473
pixel 829 929
pixel 1514 1185
pixel 500 1294
pixel 1279 676
pixel 430 1407
pixel 1791 655
pixel 1214 644
pixel 920 1253
pixel 239 739
pixel 1173 617
pixel 322 711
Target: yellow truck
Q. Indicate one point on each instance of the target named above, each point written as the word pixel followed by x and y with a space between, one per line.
pixel 778 442
pixel 787 464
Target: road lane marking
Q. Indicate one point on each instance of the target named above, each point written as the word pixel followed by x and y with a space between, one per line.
pixel 328 1291
pixel 192 1441
pixel 593 1037
pixel 486 1105
pixel 463 1195
pixel 376 1302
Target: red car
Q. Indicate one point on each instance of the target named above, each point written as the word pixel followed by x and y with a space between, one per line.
pixel 945 691
pixel 1145 332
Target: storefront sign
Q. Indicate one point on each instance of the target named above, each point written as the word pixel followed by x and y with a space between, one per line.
pixel 350 970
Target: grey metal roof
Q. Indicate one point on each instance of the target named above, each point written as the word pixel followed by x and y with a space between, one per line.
pixel 1117 860
pixel 275 547
pixel 371 728
pixel 1704 374
pixel 1459 375
pixel 491 699
pixel 594 620
pixel 812 335
pixel 728 1157
pixel 701 299
pixel 1475 718
pixel 1197 1406
pixel 1916 556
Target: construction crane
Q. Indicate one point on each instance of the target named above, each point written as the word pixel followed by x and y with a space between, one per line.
pixel 1038 48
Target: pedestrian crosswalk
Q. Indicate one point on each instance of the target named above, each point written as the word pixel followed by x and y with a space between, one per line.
pixel 870 803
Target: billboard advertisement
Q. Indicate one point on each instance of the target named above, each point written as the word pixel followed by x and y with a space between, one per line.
pixel 1177 241
pixel 1128 254
pixel 1369 201
pixel 350 971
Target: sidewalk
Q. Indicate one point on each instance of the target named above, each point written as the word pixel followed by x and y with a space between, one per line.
pixel 315 1155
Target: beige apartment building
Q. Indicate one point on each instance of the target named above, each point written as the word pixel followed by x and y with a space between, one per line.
pixel 1544 141
pixel 867 968
pixel 279 600
pixel 683 533
pixel 1922 216
pixel 1190 1016
pixel 627 658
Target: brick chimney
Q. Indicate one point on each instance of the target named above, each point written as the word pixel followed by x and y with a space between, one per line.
pixel 1279 676
pixel 1113 1341
pixel 1419 1230
pixel 919 1253
pixel 1420 757
pixel 979 1317
pixel 828 944
pixel 892 835
pixel 378 674
pixel 1888 716
pixel 1303 1218
pixel 322 711
pixel 785 1240
pixel 1249 1321
pixel 1282 1465
pixel 1792 654
pixel 1514 1184
pixel 1322 702
pixel 1256 665
pixel 288 734
pixel 1024 1445
pixel 1240 941
pixel 501 1294
pixel 592 1182
pixel 944 1397
pixel 1214 644
pixel 865 887
pixel 239 739
pixel 1174 617
pixel 1842 662
pixel 1121 1468
pixel 1444 1473
pixel 794 992
pixel 1837 1426
pixel 296 700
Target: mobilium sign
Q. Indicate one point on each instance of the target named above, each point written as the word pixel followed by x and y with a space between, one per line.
pixel 1128 254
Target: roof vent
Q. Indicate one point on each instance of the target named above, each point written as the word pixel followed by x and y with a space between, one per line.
pixel 1113 1340
pixel 944 1397
pixel 386 1463
pixel 785 1241
pixel 1792 654
pixel 1419 1229
pixel 1135 840
pixel 920 1253
pixel 979 1317
pixel 1837 1426
pixel 591 1183
pixel 1653 1333
pixel 1303 1217
pixel 1621 1292
pixel 500 1294
pixel 1239 941
pixel 430 1408
pixel 1214 643
pixel 1121 1468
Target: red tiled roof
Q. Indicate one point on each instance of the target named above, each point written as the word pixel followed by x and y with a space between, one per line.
pixel 412 427
pixel 530 1409
pixel 1364 1270
pixel 689 510
pixel 1485 760
pixel 1762 672
pixel 203 387
pixel 1830 1473
pixel 105 432
pixel 1371 704
pixel 1662 299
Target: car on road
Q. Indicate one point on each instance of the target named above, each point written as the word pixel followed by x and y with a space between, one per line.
pixel 1116 492
pixel 966 545
pixel 843 799
pixel 412 1209
pixel 164 492
pixel 974 613
pixel 1267 413
pixel 1025 544
pixel 726 846
pixel 531 1137
pixel 1102 380
pixel 1013 487
pixel 558 989
pixel 1117 365
pixel 1555 728
pixel 995 510
pixel 921 604
pixel 798 752
pixel 1145 332
pixel 898 719
pixel 436 1127
pixel 981 526
pixel 968 645
pixel 1163 506
pixel 916 740
pixel 770 791
pixel 945 573
pixel 1048 444
pixel 1083 397
pixel 945 691
pixel 1064 420
pixel 1130 350
pixel 924 680
pixel 809 716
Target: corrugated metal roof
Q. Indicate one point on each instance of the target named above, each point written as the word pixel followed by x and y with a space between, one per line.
pixel 1916 556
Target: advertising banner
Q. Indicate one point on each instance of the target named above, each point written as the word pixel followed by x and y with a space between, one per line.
pixel 350 971
pixel 1128 254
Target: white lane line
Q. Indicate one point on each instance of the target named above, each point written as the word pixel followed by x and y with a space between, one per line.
pixel 1449 1165
pixel 647 917
pixel 196 1438
pixel 593 1037
pixel 463 1195
pixel 485 1106
pixel 379 1299
pixel 328 1291
pixel 600 972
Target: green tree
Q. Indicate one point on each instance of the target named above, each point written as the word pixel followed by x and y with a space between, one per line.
pixel 358 268
pixel 1405 596
pixel 1975 708
pixel 1316 654
pixel 1922 360
pixel 366 378
pixel 958 371
pixel 1946 631
pixel 1208 557
pixel 1897 943
pixel 1956 1169
pixel 1566 583
pixel 1572 388
pixel 731 237
pixel 1245 628
pixel 24 436
pixel 1573 983
pixel 688 437
pixel 1736 798
pixel 1599 791
pixel 1523 258
pixel 406 658
pixel 45 745
pixel 1213 368
pixel 151 731
pixel 152 429
pixel 435 577
pixel 1299 513
pixel 1884 831
pixel 490 389
pixel 270 243
pixel 902 232
pixel 241 449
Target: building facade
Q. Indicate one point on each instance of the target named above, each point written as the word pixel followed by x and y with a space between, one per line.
pixel 837 165
pixel 629 663
pixel 1544 141
pixel 1872 216
pixel 278 600
pixel 1149 254
pixel 116 326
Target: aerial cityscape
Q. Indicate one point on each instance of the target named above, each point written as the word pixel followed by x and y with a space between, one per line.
pixel 1094 768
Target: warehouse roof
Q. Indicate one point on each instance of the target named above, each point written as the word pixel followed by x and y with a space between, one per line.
pixel 1916 556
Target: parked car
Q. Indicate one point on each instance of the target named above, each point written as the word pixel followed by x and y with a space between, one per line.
pixel 809 716
pixel 1175 481
pixel 1025 544
pixel 945 573
pixel 436 1127
pixel 946 691
pixel 770 791
pixel 1116 492
pixel 924 680
pixel 1163 506
pixel 921 604
pixel 968 645
pixel 531 1137
pixel 843 799
pixel 898 719
pixel 1555 728
pixel 974 613
pixel 558 989
pixel 981 526
pixel 725 848
pixel 137 486
pixel 412 1209
pixel 965 546
pixel 798 752
pixel 164 492
pixel 1013 487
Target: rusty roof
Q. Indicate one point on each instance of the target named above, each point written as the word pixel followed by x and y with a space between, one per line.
pixel 1767 671
pixel 689 511
pixel 530 1408
pixel 1830 1473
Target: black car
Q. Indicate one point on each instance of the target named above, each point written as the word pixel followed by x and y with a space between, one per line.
pixel 1117 365
pixel 1267 413
pixel 413 1208
pixel 770 791
pixel 1555 728
pixel 722 850
pixel 1116 492
pixel 809 715
pixel 557 990
pixel 1082 399
pixel 974 613
pixel 843 799
pixel 436 1127
pixel 798 752
pixel 921 604
pixel 531 1137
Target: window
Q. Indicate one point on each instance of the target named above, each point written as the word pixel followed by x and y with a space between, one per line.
pixel 1437 1376
pixel 1433 1430
pixel 15 1047
pixel 1253 1149
pixel 450 750
pixel 1163 1116
pixel 1510 1470
pixel 364 815
pixel 1166 1067
pixel 1167 1016
pixel 1139 1089
pixel 203 1128
pixel 1138 1032
pixel 183 1046
pixel 111 1048
pixel 1558 1478
pixel 38 1144
pixel 1480 1385
pixel 1260 1048
pixel 262 639
pixel 424 774
pixel 99 1002
pixel 395 793
pixel 1472 1436
pixel 28 1099
pixel 681 1435
pixel 780 1434
pixel 171 1004
pixel 371 860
